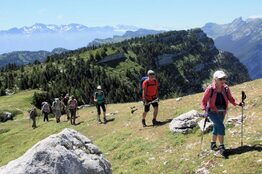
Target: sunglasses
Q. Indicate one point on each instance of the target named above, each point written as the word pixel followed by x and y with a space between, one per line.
pixel 221 79
pixel 151 74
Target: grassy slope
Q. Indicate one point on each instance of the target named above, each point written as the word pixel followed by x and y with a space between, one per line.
pixel 133 149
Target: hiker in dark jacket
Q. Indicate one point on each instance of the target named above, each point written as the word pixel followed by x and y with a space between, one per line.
pixel 99 98
pixel 215 103
pixel 45 110
pixel 65 101
pixel 32 115
pixel 72 105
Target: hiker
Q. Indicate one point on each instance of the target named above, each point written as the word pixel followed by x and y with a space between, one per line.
pixel 57 107
pixel 99 98
pixel 72 106
pixel 215 103
pixel 150 94
pixel 65 101
pixel 32 115
pixel 45 110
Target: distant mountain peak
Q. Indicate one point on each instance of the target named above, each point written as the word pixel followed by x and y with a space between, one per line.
pixel 243 39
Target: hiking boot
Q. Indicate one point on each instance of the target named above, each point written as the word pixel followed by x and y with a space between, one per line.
pixel 222 150
pixel 213 146
pixel 155 122
pixel 99 121
pixel 105 120
pixel 144 122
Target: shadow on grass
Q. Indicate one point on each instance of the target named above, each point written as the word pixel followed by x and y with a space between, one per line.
pixel 79 123
pixel 110 120
pixel 161 123
pixel 243 149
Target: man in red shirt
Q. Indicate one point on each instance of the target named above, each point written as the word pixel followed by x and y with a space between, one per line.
pixel 150 93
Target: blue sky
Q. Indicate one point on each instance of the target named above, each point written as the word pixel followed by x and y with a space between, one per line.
pixel 171 14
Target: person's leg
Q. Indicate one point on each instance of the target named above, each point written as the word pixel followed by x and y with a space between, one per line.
pixel 155 112
pixel 98 113
pixel 221 132
pixel 146 110
pixel 56 115
pixel 74 119
pixel 44 116
pixel 67 113
pixel 72 116
pixel 154 121
pixel 214 118
pixel 104 112
pixel 47 116
pixel 34 122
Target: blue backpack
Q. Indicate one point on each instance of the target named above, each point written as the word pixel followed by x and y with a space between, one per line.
pixel 141 82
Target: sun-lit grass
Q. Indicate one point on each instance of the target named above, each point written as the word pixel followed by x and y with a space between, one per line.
pixel 133 149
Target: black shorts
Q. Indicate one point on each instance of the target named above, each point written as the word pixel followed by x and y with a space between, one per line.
pixel 147 107
pixel 102 105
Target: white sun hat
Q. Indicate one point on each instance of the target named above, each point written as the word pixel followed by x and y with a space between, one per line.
pixel 219 74
pixel 150 72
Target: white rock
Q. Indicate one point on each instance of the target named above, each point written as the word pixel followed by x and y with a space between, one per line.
pixel 178 99
pixel 208 126
pixel 235 120
pixel 63 153
pixel 83 106
pixel 185 122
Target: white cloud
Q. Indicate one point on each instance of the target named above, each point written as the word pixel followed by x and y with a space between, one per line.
pixel 255 16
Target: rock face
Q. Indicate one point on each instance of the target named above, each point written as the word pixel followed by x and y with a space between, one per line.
pixel 5 116
pixel 185 122
pixel 64 153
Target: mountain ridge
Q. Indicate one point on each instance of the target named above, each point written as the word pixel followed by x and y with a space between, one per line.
pixel 241 37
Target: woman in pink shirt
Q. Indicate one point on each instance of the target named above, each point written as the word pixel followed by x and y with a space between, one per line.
pixel 215 103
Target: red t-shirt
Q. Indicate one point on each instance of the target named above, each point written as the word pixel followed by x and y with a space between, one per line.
pixel 150 88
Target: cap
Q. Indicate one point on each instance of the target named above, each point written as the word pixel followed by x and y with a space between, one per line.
pixel 219 74
pixel 150 72
pixel 98 87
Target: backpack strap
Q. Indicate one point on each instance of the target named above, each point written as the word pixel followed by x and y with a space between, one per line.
pixel 212 91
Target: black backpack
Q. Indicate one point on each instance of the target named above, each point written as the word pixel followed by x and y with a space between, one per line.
pixel 212 92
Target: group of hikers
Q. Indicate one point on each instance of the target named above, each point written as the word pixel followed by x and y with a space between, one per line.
pixel 214 103
pixel 59 105
pixel 69 106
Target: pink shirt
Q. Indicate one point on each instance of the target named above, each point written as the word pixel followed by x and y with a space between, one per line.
pixel 210 103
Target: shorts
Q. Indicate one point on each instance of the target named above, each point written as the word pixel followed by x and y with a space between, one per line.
pixel 218 119
pixel 147 107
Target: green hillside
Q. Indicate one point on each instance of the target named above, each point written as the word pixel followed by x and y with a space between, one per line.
pixel 26 57
pixel 184 62
pixel 133 149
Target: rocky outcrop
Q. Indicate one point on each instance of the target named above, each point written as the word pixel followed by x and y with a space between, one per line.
pixel 5 116
pixel 235 120
pixel 64 153
pixel 185 122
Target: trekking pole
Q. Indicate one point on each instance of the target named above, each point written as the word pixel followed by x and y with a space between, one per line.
pixel 202 133
pixel 242 116
pixel 133 109
pixel 202 136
